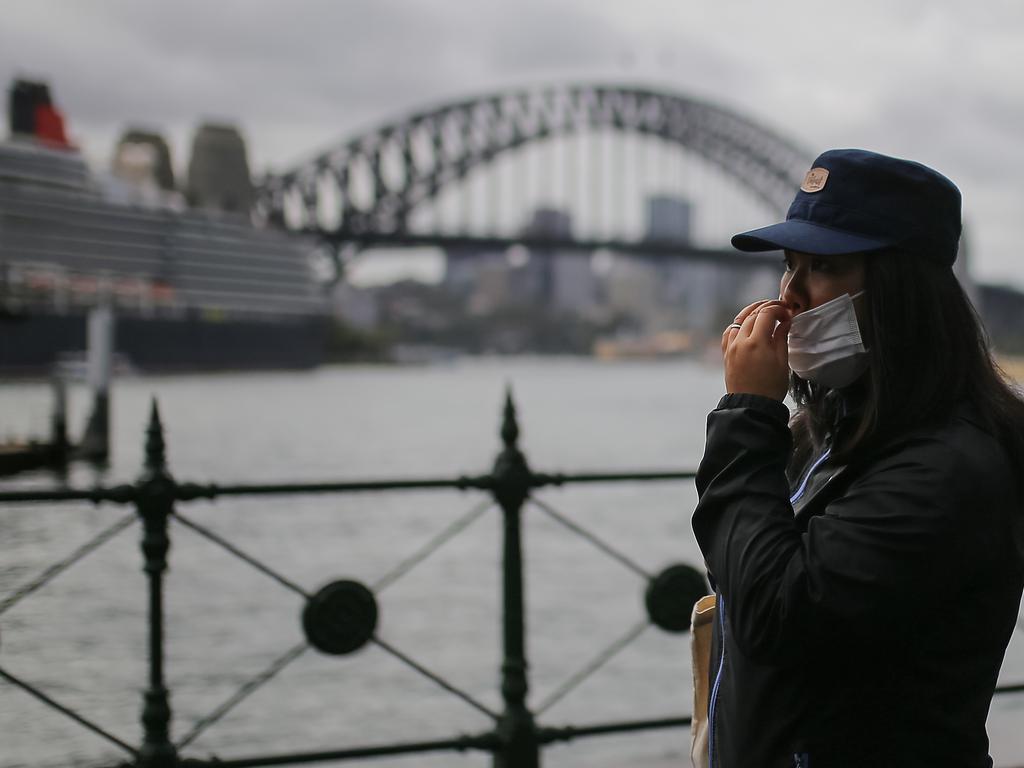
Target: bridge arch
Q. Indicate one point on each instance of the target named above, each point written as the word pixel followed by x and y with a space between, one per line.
pixel 412 159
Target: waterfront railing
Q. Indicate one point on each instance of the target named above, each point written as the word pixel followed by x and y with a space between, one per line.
pixel 341 618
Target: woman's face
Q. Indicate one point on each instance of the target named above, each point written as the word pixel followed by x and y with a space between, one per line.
pixel 809 281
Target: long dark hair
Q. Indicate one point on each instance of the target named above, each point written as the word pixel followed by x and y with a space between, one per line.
pixel 928 353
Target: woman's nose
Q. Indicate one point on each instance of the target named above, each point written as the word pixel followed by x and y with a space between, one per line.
pixel 791 295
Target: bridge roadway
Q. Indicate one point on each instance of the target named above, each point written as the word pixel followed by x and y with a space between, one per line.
pixel 543 245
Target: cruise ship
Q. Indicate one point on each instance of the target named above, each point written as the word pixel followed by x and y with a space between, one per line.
pixel 192 282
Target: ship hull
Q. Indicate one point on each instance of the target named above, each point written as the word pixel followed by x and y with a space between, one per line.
pixel 31 345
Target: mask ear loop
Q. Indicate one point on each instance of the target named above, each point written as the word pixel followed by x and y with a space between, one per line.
pixel 860 330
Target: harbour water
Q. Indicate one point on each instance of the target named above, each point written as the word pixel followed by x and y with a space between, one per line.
pixel 82 637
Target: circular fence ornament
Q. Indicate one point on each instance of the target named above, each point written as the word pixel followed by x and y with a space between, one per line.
pixel 340 618
pixel 671 594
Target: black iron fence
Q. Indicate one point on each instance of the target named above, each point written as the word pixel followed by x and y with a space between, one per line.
pixel 342 617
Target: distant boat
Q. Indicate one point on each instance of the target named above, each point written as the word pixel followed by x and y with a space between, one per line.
pixel 74 366
pixel 656 345
pixel 191 288
pixel 24 456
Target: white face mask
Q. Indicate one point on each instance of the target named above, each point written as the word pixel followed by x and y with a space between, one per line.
pixel 825 344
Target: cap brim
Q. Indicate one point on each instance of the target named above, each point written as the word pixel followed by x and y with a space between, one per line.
pixel 805 237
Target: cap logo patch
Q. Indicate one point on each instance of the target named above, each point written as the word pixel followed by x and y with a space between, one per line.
pixel 815 180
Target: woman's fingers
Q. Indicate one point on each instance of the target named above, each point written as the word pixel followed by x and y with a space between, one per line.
pixel 749 313
pixel 745 322
pixel 749 309
pixel 765 320
pixel 728 335
pixel 756 354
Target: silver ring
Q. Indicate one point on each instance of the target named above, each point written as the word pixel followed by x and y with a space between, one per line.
pixel 734 325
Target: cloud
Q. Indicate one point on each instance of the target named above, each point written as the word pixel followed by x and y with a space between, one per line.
pixel 932 80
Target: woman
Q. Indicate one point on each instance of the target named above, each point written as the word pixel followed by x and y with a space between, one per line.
pixel 867 553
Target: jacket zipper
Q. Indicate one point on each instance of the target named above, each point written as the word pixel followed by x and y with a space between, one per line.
pixel 720 612
pixel 803 484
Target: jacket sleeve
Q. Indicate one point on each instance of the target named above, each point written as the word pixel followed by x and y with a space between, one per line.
pixel 875 555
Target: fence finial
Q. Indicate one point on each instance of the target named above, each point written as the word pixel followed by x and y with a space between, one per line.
pixel 509 424
pixel 156 457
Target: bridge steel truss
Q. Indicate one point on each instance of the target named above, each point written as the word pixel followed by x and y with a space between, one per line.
pixel 411 160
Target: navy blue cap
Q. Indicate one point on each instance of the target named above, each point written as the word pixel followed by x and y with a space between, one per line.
pixel 854 201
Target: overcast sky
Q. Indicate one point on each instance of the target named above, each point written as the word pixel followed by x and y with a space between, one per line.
pixel 935 81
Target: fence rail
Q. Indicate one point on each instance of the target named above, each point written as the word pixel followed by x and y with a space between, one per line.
pixel 341 617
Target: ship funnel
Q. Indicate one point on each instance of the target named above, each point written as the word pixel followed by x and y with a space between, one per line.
pixel 218 173
pixel 32 114
pixel 143 156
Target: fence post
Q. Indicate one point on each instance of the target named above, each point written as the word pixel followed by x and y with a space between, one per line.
pixel 512 478
pixel 155 502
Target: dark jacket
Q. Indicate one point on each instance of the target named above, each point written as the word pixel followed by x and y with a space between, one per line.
pixel 864 623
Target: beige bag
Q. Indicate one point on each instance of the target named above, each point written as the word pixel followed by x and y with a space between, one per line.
pixel 702 624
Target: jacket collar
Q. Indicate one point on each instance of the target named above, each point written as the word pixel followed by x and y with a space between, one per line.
pixel 824 482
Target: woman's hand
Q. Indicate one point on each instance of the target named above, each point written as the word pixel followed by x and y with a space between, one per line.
pixel 755 351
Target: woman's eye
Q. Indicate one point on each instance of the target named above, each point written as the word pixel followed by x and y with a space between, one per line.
pixel 786 266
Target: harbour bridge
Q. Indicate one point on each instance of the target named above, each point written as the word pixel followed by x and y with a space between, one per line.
pixel 462 177
pixel 490 182
pixel 465 176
